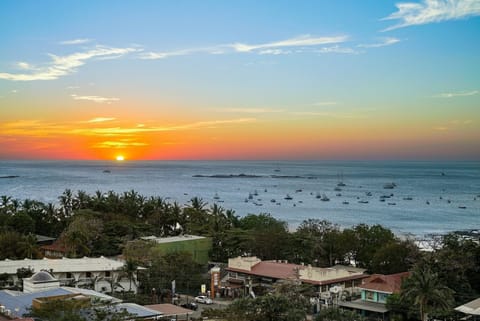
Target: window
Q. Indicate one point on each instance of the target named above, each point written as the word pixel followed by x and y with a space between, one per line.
pixel 382 297
pixel 89 274
pixel 107 274
pixel 369 295
pixel 69 275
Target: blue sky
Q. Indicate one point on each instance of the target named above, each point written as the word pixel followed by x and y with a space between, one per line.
pixel 378 68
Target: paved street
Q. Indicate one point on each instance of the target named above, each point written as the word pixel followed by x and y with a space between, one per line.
pixel 217 304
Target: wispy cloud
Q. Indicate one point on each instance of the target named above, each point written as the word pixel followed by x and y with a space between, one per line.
pixel 76 41
pixel 100 119
pixel 428 11
pixel 300 41
pixel 183 52
pixel 269 48
pixel 64 65
pixel 457 94
pixel 385 42
pixel 337 49
pixel 40 129
pixel 119 144
pixel 96 99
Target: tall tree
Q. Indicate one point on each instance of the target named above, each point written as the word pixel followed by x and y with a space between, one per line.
pixel 427 291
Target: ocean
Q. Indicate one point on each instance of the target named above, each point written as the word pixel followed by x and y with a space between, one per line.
pixel 428 197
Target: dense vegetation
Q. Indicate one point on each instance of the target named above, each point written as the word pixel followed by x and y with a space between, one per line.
pixel 111 223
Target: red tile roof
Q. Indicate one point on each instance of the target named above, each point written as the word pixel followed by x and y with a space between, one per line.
pixel 271 269
pixel 278 270
pixel 391 283
pixel 169 309
pixel 57 247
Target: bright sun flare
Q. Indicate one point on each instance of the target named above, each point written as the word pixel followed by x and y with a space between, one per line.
pixel 120 158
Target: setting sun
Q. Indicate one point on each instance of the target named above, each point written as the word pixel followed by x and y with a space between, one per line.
pixel 120 158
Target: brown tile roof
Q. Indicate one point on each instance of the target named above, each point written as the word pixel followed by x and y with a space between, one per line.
pixel 169 309
pixel 271 269
pixel 391 283
pixel 57 247
pixel 279 270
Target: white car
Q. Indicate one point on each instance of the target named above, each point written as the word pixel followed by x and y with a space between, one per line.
pixel 203 299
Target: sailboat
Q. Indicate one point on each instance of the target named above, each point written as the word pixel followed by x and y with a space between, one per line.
pixel 340 181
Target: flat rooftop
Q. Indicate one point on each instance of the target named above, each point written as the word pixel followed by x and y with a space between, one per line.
pixel 85 264
pixel 170 239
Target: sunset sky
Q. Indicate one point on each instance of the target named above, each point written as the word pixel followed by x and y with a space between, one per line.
pixel 240 79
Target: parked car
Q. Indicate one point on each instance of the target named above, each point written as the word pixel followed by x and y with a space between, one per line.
pixel 203 299
pixel 191 305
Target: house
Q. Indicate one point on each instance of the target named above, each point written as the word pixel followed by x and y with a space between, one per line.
pixel 97 273
pixel 249 273
pixel 374 293
pixel 471 308
pixel 198 246
pixel 14 304
pixel 55 250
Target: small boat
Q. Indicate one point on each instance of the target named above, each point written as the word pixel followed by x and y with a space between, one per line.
pixel 449 201
pixel 324 198
pixel 300 202
pixel 250 196
pixel 382 200
pixel 407 198
pixel 318 196
pixel 255 193
pixel 246 200
pixel 392 203
pixel 298 191
pixel 345 203
pixel 273 200
pixel 368 193
pixel 107 171
pixel 337 189
pixel 216 197
pixel 288 197
pixel 462 207
pixel 265 190
pixel 363 202
pixel 338 194
pixel 427 202
pixel 389 185
pixel 340 181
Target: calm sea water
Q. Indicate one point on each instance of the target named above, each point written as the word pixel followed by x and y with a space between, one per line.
pixel 427 198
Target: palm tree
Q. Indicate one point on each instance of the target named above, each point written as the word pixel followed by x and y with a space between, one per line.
pixel 66 201
pixel 424 287
pixel 129 270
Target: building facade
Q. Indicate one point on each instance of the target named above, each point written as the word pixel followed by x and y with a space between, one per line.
pixel 250 273
pixel 99 274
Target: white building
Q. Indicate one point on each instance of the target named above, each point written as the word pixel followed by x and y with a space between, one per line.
pixel 96 273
